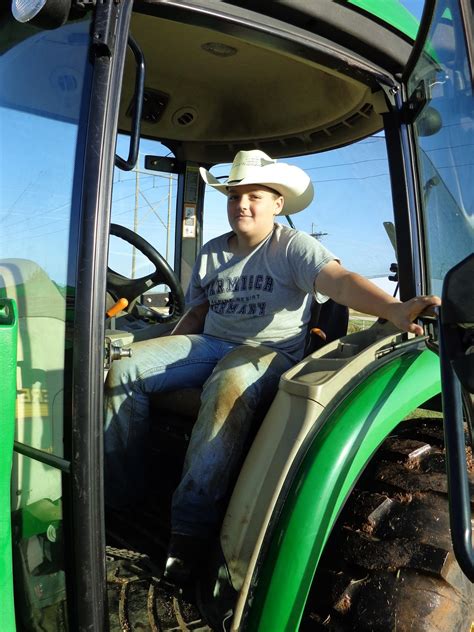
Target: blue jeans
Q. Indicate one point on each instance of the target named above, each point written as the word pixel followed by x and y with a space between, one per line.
pixel 239 382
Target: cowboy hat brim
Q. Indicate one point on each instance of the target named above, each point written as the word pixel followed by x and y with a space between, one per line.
pixel 291 182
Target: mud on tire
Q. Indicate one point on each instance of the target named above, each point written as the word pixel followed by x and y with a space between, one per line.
pixel 138 599
pixel 389 564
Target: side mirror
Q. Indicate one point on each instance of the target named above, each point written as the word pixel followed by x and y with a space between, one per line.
pixel 429 122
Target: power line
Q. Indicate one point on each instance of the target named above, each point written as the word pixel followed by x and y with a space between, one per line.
pixel 346 164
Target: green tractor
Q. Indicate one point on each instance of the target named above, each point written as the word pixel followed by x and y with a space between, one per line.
pixel 352 509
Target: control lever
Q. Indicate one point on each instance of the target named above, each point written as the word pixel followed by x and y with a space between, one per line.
pixel 119 306
pixel 113 347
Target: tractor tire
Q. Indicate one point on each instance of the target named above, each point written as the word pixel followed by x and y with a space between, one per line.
pixel 138 599
pixel 389 563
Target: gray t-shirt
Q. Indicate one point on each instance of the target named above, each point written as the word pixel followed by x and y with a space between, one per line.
pixel 264 297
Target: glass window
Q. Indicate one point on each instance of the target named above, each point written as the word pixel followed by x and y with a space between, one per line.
pixel 42 77
pixel 38 549
pixel 143 201
pixel 400 14
pixel 445 138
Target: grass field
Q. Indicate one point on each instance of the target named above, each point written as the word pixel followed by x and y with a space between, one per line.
pixel 359 321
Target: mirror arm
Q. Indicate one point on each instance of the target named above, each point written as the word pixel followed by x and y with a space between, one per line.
pixel 458 485
pixel 129 164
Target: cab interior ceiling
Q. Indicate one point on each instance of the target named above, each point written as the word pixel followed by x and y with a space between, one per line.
pixel 205 106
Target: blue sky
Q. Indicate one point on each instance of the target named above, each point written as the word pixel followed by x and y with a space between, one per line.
pixel 414 6
pixel 352 200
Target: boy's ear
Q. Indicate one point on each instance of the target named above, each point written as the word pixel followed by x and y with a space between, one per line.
pixel 279 203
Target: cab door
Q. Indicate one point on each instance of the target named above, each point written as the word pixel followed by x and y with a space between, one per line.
pixel 439 112
pixel 58 113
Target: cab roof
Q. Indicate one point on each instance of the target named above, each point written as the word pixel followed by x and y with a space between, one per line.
pixel 288 77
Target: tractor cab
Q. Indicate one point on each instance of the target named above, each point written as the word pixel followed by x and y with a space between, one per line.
pixel 341 506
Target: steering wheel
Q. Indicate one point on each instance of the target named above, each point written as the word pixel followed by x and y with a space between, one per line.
pixel 120 286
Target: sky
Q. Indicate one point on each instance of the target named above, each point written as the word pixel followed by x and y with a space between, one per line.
pixel 352 201
pixel 414 6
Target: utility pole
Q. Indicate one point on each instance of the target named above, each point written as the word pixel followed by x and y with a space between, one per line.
pixel 135 217
pixel 316 234
pixel 168 221
pixel 136 220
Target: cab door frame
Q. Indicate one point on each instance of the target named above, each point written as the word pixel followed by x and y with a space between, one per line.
pixel 84 498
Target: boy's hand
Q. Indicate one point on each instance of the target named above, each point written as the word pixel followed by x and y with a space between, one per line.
pixel 402 315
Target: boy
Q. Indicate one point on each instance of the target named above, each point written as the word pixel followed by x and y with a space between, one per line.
pixel 248 309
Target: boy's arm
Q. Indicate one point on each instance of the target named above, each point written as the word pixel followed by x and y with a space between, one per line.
pixel 357 292
pixel 192 321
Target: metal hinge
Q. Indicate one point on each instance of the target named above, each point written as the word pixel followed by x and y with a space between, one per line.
pixel 104 28
pixel 415 104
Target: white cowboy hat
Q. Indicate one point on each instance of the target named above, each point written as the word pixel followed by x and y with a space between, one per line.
pixel 255 167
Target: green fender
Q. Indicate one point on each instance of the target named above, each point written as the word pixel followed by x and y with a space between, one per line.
pixel 324 480
pixel 8 349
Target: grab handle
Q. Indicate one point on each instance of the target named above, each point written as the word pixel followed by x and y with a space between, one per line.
pixel 129 164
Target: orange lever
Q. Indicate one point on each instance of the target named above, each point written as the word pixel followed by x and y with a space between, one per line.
pixel 318 332
pixel 118 307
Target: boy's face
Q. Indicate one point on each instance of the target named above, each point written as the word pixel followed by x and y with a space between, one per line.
pixel 251 209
